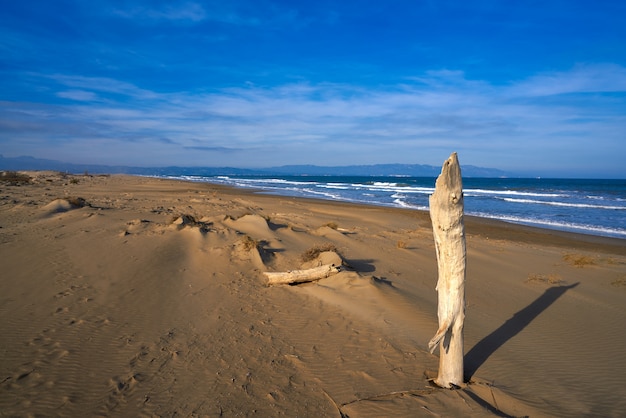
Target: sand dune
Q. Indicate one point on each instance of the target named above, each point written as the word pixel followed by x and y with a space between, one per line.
pixel 130 296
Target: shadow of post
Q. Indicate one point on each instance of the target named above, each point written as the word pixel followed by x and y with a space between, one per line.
pixel 477 356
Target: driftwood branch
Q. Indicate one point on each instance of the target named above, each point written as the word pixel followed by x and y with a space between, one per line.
pixel 446 212
pixel 301 276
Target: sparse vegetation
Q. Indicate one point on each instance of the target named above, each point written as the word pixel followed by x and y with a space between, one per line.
pixel 184 220
pixel 543 278
pixel 401 244
pixel 610 260
pixel 579 260
pixel 313 252
pixel 77 202
pixel 332 225
pixel 74 180
pixel 14 177
pixel 620 282
pixel 249 243
pixel 191 221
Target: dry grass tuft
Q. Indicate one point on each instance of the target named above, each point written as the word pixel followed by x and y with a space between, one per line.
pixel 313 252
pixel 332 225
pixel 611 261
pixel 190 221
pixel 14 177
pixel 401 244
pixel 248 243
pixel 620 282
pixel 543 278
pixel 579 260
pixel 184 219
pixel 77 202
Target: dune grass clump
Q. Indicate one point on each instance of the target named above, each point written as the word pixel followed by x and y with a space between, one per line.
pixel 610 260
pixel 313 252
pixel 248 243
pixel 332 225
pixel 579 260
pixel 620 282
pixel 76 202
pixel 186 220
pixel 553 279
pixel 14 177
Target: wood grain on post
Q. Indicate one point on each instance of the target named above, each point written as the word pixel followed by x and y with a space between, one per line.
pixel 446 212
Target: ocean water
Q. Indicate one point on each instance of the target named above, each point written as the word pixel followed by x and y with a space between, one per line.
pixel 596 207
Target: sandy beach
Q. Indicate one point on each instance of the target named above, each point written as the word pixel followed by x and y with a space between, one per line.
pixel 133 296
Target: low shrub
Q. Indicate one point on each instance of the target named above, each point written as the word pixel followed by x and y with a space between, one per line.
pixel 77 202
pixel 579 260
pixel 249 243
pixel 543 278
pixel 313 252
pixel 14 177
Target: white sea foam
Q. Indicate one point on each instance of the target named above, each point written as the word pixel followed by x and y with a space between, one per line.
pixel 403 204
pixel 563 204
pixel 339 186
pixel 590 229
pixel 278 181
pixel 388 187
pixel 384 184
pixel 470 192
pixel 549 207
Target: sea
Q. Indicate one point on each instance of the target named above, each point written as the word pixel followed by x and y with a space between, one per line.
pixel 594 207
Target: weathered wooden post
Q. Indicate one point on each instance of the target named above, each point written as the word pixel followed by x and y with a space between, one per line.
pixel 446 212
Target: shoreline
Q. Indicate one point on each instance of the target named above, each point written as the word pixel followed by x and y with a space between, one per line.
pixel 542 224
pixel 129 295
pixel 485 227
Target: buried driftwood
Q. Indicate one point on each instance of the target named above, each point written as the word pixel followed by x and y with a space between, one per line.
pixel 301 276
pixel 446 212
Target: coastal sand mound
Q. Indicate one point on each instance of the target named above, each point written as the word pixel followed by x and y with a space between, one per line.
pixel 151 300
pixel 63 205
pixel 254 225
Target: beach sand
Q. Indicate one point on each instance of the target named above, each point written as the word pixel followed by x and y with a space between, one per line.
pixel 132 296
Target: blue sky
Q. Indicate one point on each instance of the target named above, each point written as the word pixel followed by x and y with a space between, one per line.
pixel 534 87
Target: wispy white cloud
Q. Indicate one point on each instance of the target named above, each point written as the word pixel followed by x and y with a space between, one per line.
pixel 418 121
pixel 78 95
pixel 597 78
pixel 233 13
pixel 173 11
pixel 100 84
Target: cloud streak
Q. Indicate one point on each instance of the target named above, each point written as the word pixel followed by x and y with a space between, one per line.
pixel 173 11
pixel 599 78
pixel 230 13
pixel 328 124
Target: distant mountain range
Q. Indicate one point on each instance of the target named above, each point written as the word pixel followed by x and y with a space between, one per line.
pixel 412 170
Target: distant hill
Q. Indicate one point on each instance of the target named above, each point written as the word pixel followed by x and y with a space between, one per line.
pixel 411 170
